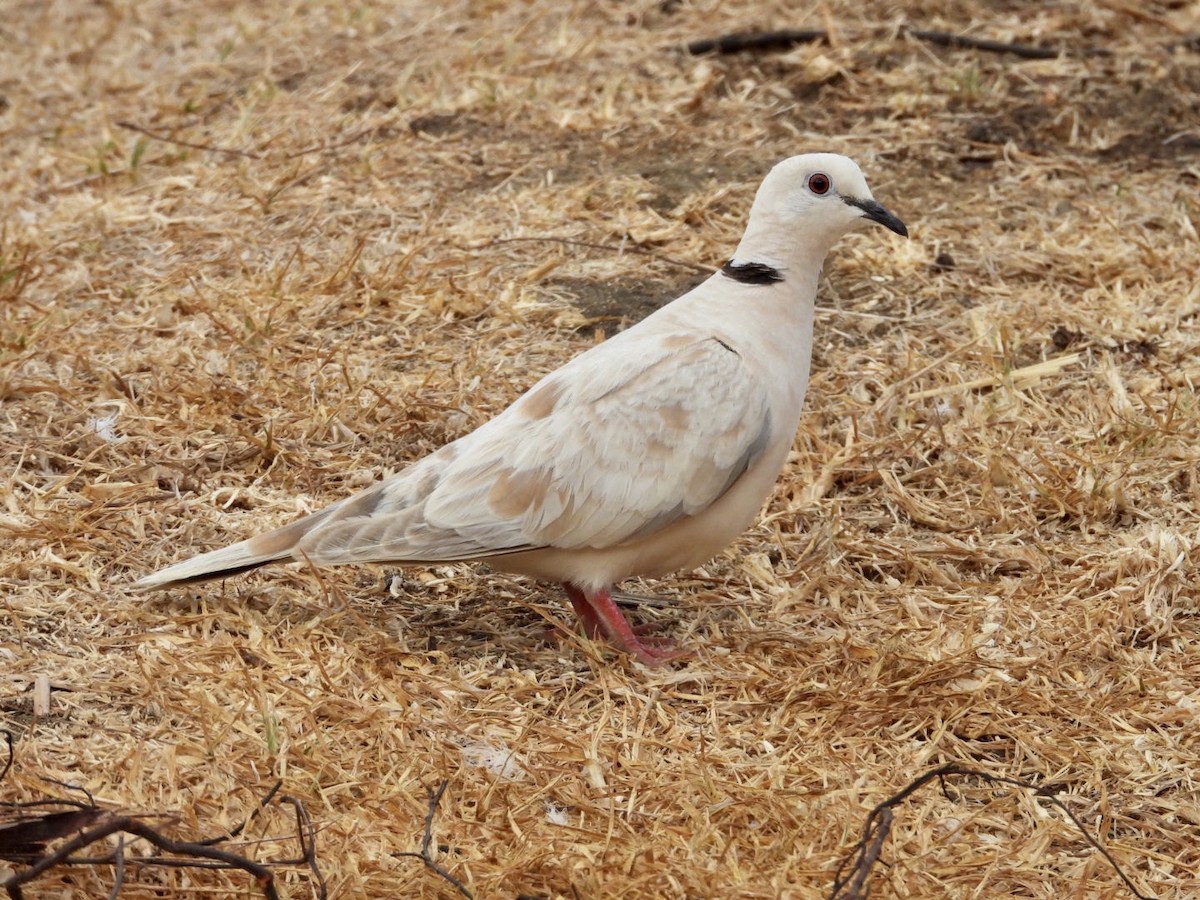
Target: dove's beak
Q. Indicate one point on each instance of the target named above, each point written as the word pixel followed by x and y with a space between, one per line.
pixel 875 211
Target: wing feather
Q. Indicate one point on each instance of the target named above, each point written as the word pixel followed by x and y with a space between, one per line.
pixel 591 456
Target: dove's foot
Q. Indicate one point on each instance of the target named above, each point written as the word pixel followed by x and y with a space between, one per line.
pixel 602 618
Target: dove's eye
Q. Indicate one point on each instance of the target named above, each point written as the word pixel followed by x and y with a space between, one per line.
pixel 819 183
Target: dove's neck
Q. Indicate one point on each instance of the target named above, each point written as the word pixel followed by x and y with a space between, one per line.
pixel 774 326
pixel 795 251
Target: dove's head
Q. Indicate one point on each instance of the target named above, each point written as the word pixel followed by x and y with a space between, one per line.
pixel 806 203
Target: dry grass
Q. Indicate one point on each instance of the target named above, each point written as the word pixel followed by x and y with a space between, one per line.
pixel 984 550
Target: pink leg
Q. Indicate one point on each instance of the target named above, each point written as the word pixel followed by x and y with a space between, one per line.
pixel 601 617
pixel 592 626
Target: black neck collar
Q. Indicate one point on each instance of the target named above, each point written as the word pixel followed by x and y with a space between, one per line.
pixel 751 273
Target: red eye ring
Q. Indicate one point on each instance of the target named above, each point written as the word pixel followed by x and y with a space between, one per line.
pixel 819 183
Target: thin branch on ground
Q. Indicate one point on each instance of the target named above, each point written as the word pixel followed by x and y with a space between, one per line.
pixel 167 139
pixel 785 39
pixel 749 41
pixel 853 874
pixel 965 42
pixel 134 826
pixel 435 797
pixel 248 154
pixel 869 849
pixel 321 148
pixel 8 740
pixel 118 868
pixel 239 828
pixel 37 822
pixel 25 840
pixel 28 836
pixel 307 833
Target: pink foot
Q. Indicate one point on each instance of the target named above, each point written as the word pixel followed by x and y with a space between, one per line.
pixel 601 617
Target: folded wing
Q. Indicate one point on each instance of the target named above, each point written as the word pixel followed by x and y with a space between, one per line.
pixel 608 449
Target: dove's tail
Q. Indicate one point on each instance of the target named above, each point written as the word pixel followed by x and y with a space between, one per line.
pixel 237 558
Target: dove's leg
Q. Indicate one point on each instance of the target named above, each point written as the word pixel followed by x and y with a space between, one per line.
pixel 592 626
pixel 601 617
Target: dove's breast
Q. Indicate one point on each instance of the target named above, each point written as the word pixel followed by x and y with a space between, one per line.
pixel 684 544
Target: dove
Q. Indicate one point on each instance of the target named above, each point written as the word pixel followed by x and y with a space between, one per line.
pixel 647 454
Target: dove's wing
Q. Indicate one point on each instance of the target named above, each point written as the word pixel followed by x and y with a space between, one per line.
pixel 610 448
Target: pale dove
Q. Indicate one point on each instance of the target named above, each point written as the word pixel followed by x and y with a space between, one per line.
pixel 647 454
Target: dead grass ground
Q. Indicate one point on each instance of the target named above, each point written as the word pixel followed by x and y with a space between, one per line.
pixel 984 549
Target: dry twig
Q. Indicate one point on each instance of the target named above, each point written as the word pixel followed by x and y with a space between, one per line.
pixel 755 41
pixel 785 39
pixel 965 42
pixel 135 826
pixel 25 840
pixel 435 797
pixel 167 139
pixel 851 879
pixel 248 154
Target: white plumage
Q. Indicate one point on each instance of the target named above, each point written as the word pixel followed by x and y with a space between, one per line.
pixel 646 454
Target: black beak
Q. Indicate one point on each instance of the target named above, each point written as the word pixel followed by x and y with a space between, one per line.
pixel 876 213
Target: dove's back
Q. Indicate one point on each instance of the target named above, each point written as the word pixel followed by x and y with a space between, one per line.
pixel 606 462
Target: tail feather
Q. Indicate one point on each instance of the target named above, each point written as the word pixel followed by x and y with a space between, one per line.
pixel 207 566
pixel 273 546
